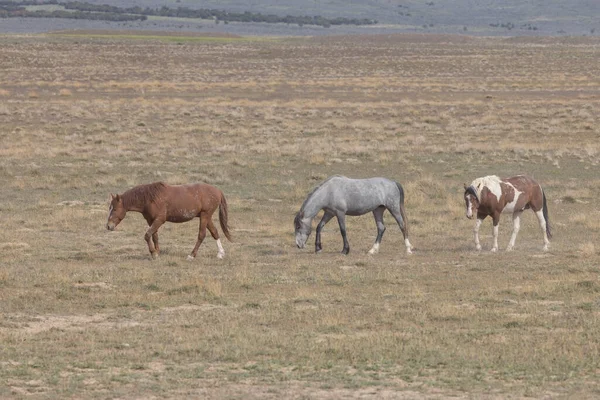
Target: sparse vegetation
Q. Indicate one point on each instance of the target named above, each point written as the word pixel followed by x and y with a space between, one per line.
pixel 86 314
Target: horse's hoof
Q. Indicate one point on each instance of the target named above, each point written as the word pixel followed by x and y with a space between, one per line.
pixel 220 256
pixel 478 247
pixel 509 248
pixel 545 248
pixel 154 256
pixel 409 251
pixel 318 251
pixel 345 252
pixel 190 257
pixel 494 249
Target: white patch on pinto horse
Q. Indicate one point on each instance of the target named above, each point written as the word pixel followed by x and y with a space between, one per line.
pixel 510 207
pixel 492 182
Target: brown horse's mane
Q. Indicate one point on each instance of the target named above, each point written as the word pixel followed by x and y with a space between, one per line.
pixel 142 194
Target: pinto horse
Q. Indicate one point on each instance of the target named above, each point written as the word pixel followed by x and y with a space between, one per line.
pixel 492 196
pixel 159 202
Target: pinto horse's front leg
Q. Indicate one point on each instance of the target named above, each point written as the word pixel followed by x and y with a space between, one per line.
pixel 516 228
pixel 476 233
pixel 496 222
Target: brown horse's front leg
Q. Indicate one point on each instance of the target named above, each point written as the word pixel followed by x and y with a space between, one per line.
pixel 201 235
pixel 150 233
pixel 155 240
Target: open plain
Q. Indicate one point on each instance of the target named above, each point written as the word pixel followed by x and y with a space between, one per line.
pixel 85 313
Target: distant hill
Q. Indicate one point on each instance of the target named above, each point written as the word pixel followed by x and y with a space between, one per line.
pixel 474 17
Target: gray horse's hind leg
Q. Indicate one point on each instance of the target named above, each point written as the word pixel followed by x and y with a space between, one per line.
pixel 400 217
pixel 378 214
pixel 342 221
pixel 326 217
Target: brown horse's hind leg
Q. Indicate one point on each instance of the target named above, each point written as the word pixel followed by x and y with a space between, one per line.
pixel 201 235
pixel 215 234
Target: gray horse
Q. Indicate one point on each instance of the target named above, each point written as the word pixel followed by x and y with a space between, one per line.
pixel 340 196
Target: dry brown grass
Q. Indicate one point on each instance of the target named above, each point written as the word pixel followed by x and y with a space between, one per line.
pixel 85 313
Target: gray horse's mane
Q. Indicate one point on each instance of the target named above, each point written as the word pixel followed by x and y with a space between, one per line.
pixel 143 193
pixel 317 188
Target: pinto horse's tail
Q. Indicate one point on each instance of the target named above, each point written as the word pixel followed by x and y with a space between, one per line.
pixel 223 217
pixel 545 212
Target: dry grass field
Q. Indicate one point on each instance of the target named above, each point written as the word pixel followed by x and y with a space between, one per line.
pixel 85 313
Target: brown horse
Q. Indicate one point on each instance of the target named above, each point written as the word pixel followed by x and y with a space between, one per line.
pixel 492 196
pixel 159 202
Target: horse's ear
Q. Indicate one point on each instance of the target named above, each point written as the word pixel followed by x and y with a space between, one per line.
pixel 117 197
pixel 465 185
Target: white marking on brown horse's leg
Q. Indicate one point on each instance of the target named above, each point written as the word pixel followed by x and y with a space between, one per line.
pixel 408 246
pixel 221 252
pixel 495 246
pixel 476 233
pixel 515 232
pixel 542 220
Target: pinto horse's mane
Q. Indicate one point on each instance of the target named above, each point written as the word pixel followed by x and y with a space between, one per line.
pixel 490 181
pixel 143 193
pixel 471 190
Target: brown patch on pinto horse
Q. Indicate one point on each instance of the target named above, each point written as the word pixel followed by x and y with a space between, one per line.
pixel 159 202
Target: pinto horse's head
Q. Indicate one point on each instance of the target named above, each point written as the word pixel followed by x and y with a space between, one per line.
pixel 302 230
pixel 116 212
pixel 471 201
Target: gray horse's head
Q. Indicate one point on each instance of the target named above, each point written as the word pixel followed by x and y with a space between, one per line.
pixel 302 230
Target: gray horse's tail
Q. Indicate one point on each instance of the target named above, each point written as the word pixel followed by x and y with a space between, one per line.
pixel 402 211
pixel 545 212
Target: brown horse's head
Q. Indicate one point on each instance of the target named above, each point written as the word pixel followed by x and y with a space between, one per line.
pixel 471 201
pixel 116 212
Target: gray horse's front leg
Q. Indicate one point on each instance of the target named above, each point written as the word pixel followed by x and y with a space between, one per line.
pixel 326 217
pixel 342 221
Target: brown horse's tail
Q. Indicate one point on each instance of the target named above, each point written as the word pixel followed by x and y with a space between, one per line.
pixel 223 217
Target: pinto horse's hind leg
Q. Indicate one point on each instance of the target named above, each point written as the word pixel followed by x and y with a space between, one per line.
pixel 201 235
pixel 542 220
pixel 215 234
pixel 326 217
pixel 378 215
pixel 515 232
